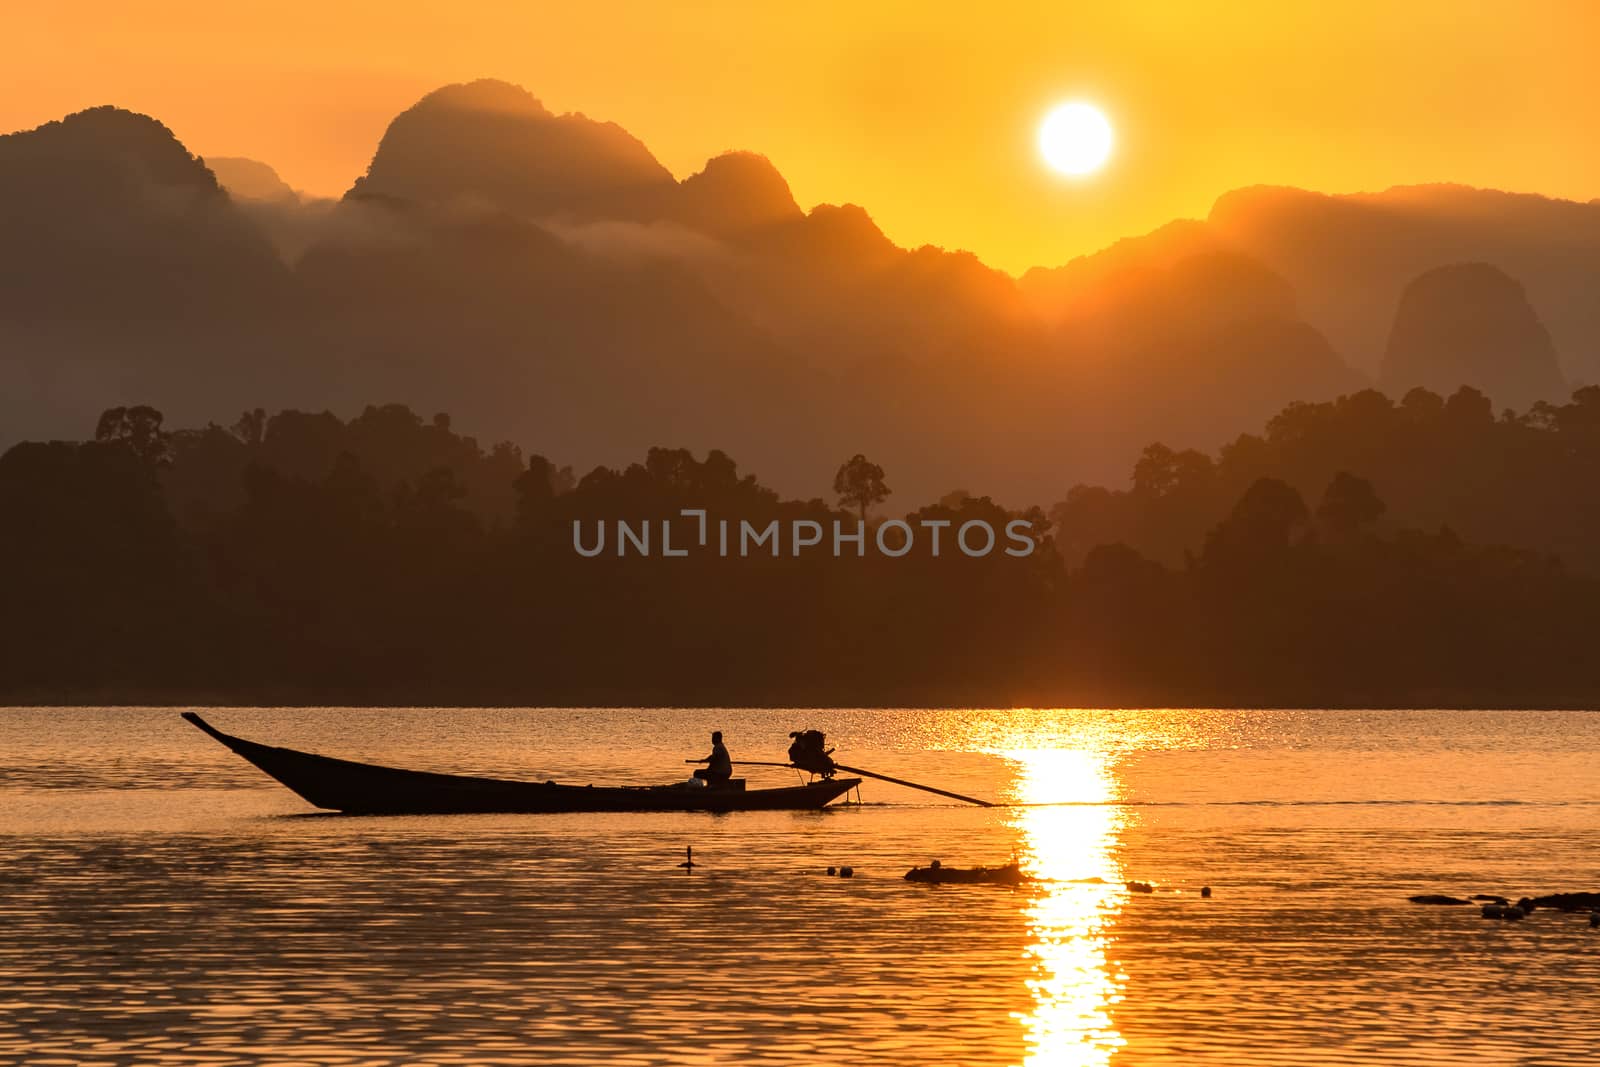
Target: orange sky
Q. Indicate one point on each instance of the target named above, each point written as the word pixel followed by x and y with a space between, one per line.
pixel 924 113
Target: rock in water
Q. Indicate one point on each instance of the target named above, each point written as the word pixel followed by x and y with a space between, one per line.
pixel 1569 901
pixel 937 874
pixel 1436 898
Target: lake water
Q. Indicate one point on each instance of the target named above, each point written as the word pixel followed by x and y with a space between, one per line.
pixel 163 902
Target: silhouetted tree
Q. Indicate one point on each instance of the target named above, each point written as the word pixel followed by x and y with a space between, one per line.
pixel 139 428
pixel 1261 525
pixel 536 492
pixel 1467 407
pixel 1348 504
pixel 251 427
pixel 954 499
pixel 859 484
pixel 1160 471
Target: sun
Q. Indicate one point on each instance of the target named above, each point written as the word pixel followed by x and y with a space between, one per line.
pixel 1075 138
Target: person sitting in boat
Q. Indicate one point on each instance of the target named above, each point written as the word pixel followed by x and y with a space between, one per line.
pixel 719 765
pixel 808 750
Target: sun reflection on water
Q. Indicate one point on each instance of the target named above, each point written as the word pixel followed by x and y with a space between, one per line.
pixel 1069 846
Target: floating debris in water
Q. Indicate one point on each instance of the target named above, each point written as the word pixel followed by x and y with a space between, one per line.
pixel 1205 891
pixel 938 874
pixel 1499 907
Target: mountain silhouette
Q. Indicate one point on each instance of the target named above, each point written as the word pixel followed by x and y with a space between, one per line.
pixel 127 273
pixel 249 179
pixel 1471 324
pixel 1350 257
pixel 489 143
pixel 736 194
pixel 1076 286
pixel 106 213
pixel 548 281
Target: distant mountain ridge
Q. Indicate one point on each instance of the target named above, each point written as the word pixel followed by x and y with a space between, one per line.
pixel 1351 257
pixel 546 280
pixel 494 141
pixel 1473 322
pixel 249 179
pixel 126 272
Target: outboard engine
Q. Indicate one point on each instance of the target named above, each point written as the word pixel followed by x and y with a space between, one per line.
pixel 808 750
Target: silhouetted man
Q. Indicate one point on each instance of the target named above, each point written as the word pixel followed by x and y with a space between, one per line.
pixel 719 765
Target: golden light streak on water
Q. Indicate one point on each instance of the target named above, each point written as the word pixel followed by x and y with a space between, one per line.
pixel 1071 917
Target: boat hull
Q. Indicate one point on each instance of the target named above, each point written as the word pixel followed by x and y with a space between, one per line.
pixel 369 789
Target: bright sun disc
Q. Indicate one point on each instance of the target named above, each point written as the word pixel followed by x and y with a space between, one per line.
pixel 1075 138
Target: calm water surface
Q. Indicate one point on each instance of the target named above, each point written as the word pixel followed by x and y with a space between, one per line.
pixel 162 902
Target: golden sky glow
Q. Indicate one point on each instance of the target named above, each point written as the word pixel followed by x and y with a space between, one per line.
pixel 924 113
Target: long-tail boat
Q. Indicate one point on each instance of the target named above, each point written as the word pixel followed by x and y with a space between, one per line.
pixel 370 789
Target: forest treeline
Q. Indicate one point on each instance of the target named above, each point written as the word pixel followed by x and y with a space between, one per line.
pixel 1339 559
pixel 1519 479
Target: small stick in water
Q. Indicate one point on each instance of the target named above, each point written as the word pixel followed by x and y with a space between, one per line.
pixel 688 861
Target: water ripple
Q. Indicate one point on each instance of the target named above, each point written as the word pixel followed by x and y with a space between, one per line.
pixel 162 908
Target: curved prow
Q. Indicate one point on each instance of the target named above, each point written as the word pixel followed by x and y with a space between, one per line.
pixel 196 720
pixel 306 774
pixel 264 757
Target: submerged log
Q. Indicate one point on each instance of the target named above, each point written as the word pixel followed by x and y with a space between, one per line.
pixel 1436 898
